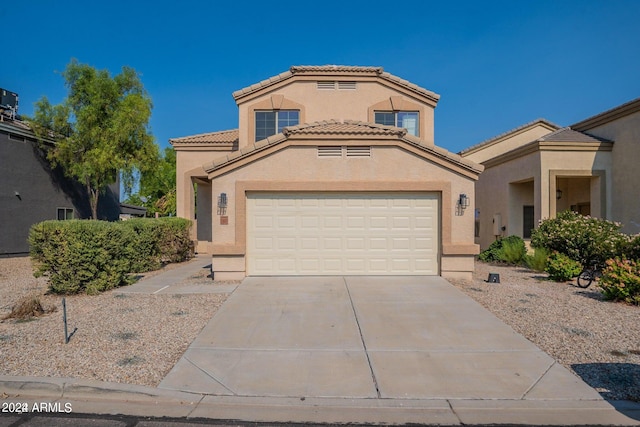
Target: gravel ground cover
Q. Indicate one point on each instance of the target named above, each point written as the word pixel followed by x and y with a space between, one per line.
pixel 126 338
pixel 137 338
pixel 598 340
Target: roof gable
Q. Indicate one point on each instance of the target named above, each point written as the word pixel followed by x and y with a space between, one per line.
pixel 335 71
pixel 337 133
pixel 510 133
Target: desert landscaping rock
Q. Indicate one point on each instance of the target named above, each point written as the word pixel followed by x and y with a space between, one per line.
pixel 126 338
pixel 137 338
pixel 597 340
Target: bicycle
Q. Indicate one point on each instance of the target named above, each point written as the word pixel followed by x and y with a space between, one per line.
pixel 588 275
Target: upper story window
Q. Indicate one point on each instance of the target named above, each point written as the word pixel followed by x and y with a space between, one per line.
pixel 401 119
pixel 272 122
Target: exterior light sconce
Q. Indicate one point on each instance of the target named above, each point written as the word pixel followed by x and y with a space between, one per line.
pixel 222 204
pixel 558 194
pixel 18 195
pixel 463 201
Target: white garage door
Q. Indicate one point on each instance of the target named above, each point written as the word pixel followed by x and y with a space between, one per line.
pixel 342 233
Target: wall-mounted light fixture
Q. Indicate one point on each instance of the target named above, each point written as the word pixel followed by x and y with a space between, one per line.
pixel 463 201
pixel 222 204
pixel 18 195
pixel 558 194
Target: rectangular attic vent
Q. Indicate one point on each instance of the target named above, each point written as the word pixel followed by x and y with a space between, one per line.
pixel 356 151
pixel 329 151
pixel 347 85
pixel 326 85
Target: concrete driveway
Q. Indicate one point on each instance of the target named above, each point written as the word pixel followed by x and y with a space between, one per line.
pixel 366 337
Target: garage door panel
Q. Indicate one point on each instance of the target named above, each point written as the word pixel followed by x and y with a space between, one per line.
pixel 348 233
pixel 334 222
pixel 310 243
pixel 264 243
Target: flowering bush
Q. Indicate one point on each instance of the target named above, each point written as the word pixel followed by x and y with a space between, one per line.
pixel 562 268
pixel 620 281
pixel 582 238
pixel 632 250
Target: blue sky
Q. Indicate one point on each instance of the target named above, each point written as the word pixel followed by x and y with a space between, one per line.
pixel 495 64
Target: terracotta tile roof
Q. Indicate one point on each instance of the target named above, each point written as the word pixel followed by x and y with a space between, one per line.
pixel 515 130
pixel 335 69
pixel 567 134
pixel 348 127
pixel 220 137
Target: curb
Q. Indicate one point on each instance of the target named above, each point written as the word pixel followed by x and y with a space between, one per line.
pixel 97 397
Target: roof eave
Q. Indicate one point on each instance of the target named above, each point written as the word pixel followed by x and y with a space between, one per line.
pixel 355 73
pixel 625 109
pixel 509 134
pixel 226 163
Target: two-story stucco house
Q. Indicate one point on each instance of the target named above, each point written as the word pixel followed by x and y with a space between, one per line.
pixel 333 170
pixel 539 169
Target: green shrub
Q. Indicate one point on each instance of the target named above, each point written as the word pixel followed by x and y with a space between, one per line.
pixel 562 268
pixel 620 281
pixel 585 239
pixel 175 242
pixel 159 241
pixel 513 250
pixel 537 261
pixel 81 256
pixel 94 256
pixel 509 249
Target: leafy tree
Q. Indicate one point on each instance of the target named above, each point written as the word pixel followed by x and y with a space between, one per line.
pixel 100 129
pixel 158 187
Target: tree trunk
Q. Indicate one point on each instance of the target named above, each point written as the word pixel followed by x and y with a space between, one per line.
pixel 93 200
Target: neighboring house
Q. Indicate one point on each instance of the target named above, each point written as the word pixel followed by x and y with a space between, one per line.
pixel 332 171
pixel 128 211
pixel 540 169
pixel 32 191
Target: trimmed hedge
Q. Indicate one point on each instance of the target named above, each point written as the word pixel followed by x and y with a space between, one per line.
pixel 81 256
pixel 159 241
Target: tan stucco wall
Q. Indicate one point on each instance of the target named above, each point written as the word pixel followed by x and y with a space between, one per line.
pixel 559 164
pixel 319 104
pixel 504 189
pixel 508 143
pixel 625 203
pixel 492 193
pixel 189 163
pixel 390 168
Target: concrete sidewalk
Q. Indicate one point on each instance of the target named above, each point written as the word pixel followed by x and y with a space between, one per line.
pixel 383 350
pixel 169 281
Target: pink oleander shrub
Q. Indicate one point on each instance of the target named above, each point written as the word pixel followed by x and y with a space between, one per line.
pixel 632 250
pixel 582 238
pixel 620 280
